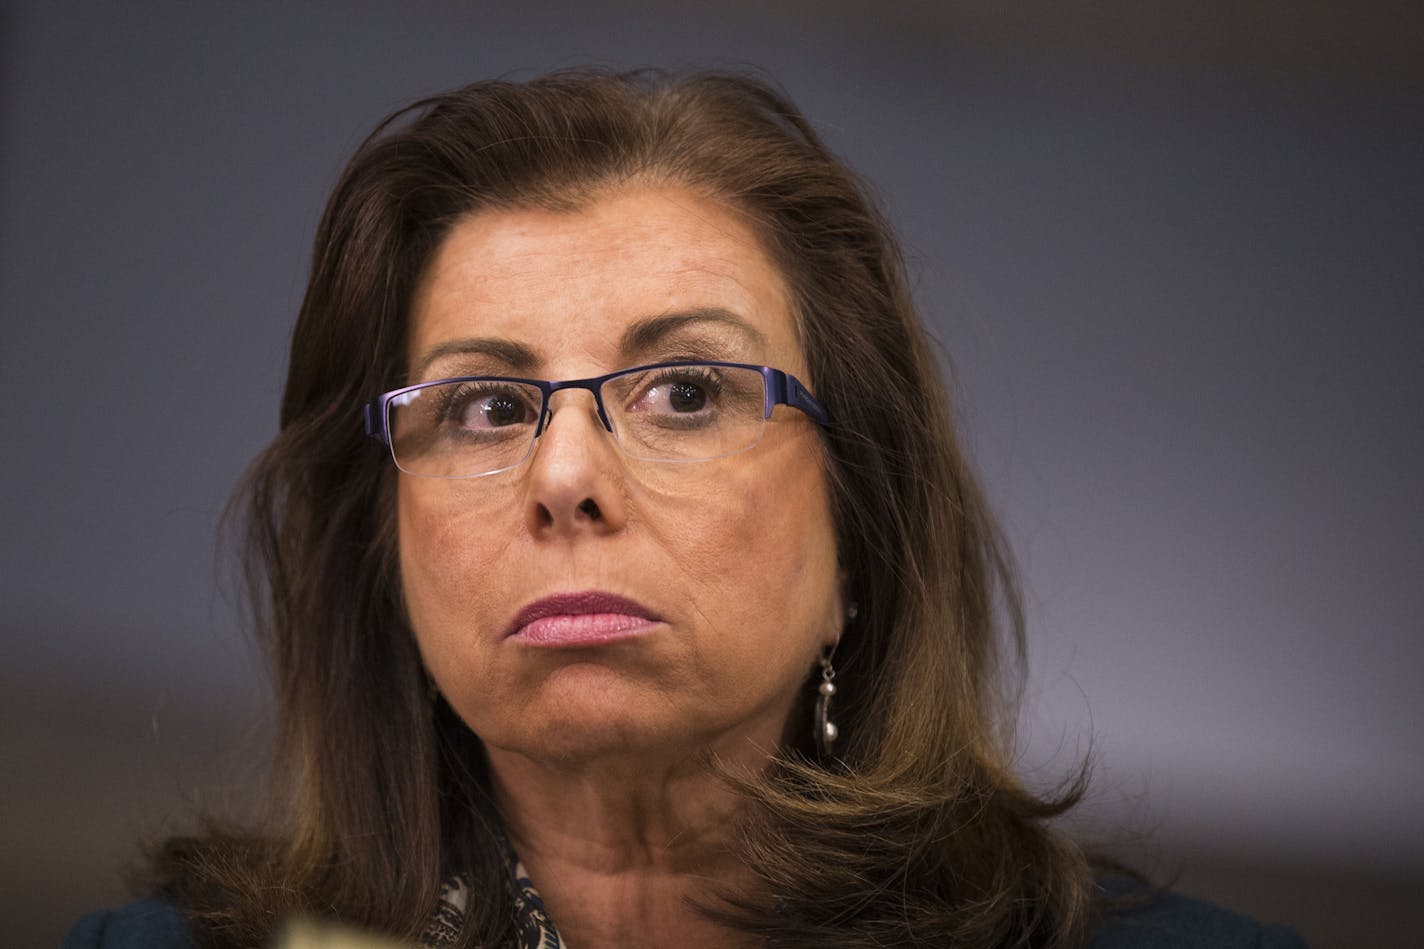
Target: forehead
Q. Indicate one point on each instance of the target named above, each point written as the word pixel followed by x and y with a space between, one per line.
pixel 573 288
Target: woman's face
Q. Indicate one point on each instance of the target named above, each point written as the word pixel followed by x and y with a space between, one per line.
pixel 732 562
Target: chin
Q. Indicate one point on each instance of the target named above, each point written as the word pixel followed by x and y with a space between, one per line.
pixel 581 740
pixel 584 721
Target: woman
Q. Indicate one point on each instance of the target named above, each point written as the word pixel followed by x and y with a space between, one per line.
pixel 656 578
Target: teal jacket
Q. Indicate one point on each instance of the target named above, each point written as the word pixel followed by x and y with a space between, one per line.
pixel 1169 921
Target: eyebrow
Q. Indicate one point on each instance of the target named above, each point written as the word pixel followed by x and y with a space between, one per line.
pixel 649 333
pixel 517 356
pixel 640 337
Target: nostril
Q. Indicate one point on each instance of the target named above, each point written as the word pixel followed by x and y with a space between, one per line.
pixel 589 508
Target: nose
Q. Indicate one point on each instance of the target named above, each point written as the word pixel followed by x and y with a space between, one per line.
pixel 575 483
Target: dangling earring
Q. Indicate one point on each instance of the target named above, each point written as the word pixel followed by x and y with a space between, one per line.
pixel 826 732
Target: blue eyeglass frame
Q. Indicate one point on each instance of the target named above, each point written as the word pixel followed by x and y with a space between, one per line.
pixel 780 388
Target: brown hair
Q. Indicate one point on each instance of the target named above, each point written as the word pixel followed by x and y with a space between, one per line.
pixel 918 833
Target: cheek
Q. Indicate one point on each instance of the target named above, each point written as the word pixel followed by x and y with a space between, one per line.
pixel 455 565
pixel 790 549
pixel 756 551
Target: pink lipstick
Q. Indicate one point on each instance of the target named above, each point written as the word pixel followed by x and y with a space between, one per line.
pixel 581 619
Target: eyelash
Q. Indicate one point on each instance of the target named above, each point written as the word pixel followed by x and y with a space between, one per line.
pixel 703 376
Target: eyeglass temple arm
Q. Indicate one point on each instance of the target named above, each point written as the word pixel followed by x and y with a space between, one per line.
pixel 786 389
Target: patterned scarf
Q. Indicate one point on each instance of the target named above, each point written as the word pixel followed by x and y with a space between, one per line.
pixel 533 929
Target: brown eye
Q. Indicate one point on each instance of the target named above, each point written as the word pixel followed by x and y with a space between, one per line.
pixel 686 397
pixel 495 411
pixel 481 407
pixel 678 391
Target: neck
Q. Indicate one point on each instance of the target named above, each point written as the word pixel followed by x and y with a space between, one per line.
pixel 620 847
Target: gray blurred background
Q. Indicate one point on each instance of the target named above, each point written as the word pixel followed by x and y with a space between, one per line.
pixel 1175 250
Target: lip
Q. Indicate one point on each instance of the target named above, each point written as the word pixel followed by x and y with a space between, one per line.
pixel 588 618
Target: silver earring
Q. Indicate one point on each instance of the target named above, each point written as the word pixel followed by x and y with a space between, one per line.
pixel 826 732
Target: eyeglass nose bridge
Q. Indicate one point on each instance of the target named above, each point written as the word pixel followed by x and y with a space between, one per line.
pixel 592 385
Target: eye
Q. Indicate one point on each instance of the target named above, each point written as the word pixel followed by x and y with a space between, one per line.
pixel 683 390
pixel 686 396
pixel 482 407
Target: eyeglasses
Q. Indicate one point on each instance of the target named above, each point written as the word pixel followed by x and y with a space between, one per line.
pixel 471 426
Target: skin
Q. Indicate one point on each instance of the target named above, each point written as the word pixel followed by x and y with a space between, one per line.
pixel 596 751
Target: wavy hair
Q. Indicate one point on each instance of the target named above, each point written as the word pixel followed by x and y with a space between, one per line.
pixel 917 834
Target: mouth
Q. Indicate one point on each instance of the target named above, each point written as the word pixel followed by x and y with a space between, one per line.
pixel 590 618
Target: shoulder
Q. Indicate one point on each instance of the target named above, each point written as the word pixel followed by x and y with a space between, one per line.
pixel 147 924
pixel 1167 920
